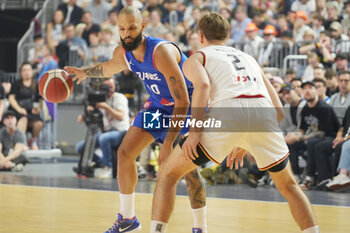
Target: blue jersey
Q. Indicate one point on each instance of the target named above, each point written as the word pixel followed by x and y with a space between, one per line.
pixel 154 80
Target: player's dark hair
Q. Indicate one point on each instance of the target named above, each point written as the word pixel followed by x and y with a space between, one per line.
pixel 214 26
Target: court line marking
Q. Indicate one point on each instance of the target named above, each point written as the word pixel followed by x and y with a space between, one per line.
pixel 111 191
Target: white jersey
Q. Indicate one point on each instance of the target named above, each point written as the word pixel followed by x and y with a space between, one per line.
pixel 232 74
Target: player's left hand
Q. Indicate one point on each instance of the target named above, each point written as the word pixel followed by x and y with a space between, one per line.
pixel 236 156
pixel 164 152
pixel 189 148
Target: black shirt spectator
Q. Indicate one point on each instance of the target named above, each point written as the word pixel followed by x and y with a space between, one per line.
pixel 319 118
pixel 72 13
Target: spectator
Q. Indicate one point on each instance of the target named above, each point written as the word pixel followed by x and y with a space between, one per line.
pixel 309 36
pixel 341 100
pixel 155 28
pixel 276 82
pixel 112 24
pixel 319 72
pixel 332 82
pixel 290 74
pixel 124 3
pixel 259 19
pixel 307 6
pixel 25 101
pixel 90 26
pixel 317 25
pixel 313 62
pixel 34 54
pixel 193 43
pixel 116 122
pixel 346 20
pixel 318 123
pixel 196 15
pixel 226 12
pixel 188 15
pixel 12 144
pixel 323 48
pixel 72 13
pixel 321 86
pixel 73 43
pixel 54 29
pixel 48 62
pixel 340 148
pixel 282 24
pixel 101 47
pixel 300 26
pixel 341 62
pixel 321 8
pixel 340 42
pixel 240 24
pixel 99 10
pixel 293 107
pixel 342 155
pixel 173 18
pixel 266 50
pixel 296 82
pixel 332 14
pixel 253 40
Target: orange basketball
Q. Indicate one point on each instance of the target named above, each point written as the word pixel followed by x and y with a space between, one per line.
pixel 56 86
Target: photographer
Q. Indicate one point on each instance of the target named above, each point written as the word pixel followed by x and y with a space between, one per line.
pixel 115 113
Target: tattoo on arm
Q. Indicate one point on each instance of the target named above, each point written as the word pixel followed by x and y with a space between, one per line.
pixel 195 189
pixel 96 71
pixel 174 88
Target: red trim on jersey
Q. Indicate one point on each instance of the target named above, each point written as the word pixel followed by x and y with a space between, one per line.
pixel 207 154
pixel 166 102
pixel 204 58
pixel 274 164
pixel 250 96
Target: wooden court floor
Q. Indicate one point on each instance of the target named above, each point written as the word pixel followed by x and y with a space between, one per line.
pixel 29 209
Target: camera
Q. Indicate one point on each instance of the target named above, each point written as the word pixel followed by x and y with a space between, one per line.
pixel 96 93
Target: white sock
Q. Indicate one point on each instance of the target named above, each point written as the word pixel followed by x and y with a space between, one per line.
pixel 158 227
pixel 200 218
pixel 313 229
pixel 127 203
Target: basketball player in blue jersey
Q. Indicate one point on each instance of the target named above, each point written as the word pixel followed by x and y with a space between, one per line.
pixel 159 64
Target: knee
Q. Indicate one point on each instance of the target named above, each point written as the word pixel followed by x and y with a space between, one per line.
pixel 346 146
pixel 287 188
pixel 168 176
pixel 122 155
pixel 38 125
pixel 102 140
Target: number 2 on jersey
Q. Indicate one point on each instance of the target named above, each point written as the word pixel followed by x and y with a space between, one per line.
pixel 235 61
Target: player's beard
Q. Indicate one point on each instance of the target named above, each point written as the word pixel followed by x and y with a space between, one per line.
pixel 132 45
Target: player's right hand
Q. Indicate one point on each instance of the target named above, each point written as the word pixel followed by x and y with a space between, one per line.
pixel 76 73
pixel 236 157
pixel 189 148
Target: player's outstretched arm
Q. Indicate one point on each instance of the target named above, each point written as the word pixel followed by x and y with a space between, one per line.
pixel 274 98
pixel 103 70
pixel 197 74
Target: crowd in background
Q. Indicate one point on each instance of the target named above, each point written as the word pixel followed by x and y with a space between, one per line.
pixel 85 32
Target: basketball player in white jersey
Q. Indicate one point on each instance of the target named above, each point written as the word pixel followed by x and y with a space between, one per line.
pixel 224 77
